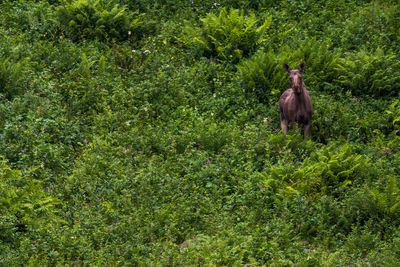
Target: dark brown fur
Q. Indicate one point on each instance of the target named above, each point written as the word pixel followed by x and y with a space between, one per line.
pixel 295 103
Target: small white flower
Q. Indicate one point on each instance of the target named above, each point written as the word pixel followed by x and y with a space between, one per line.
pixel 129 32
pixel 146 52
pixel 134 51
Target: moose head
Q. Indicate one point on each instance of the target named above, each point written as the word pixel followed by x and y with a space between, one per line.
pixel 295 77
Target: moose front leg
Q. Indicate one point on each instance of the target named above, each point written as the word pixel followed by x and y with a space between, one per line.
pixel 284 126
pixel 307 130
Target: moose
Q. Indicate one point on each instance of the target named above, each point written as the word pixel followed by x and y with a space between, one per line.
pixel 295 103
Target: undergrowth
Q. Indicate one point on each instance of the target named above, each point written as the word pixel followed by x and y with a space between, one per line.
pixel 146 133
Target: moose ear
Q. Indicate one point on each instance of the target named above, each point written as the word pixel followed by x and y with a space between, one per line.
pixel 286 67
pixel 302 67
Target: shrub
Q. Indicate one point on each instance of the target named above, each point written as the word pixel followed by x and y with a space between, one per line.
pixel 291 148
pixel 262 76
pixel 228 36
pixel 97 19
pixel 374 25
pixel 35 17
pixel 387 200
pixel 328 172
pixel 387 138
pixel 178 160
pixel 23 203
pixel 321 59
pixel 85 95
pixel 393 113
pixel 375 73
pixel 388 252
pixel 214 250
pixel 378 204
pixel 346 117
pixel 11 77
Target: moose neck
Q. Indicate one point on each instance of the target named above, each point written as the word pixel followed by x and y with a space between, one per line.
pixel 301 100
pixel 299 93
pixel 300 97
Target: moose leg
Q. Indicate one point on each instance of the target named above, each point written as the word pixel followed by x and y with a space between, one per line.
pixel 284 126
pixel 307 130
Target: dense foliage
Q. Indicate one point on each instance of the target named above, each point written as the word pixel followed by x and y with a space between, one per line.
pixel 146 133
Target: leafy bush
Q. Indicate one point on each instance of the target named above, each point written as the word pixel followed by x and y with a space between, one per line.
pixel 321 60
pixel 394 116
pixel 346 117
pixel 330 174
pixel 365 73
pixel 374 204
pixel 12 77
pixel 104 20
pixel 291 148
pixel 387 200
pixel 387 138
pixel 229 36
pixel 374 26
pixel 24 205
pixel 262 76
pixel 35 18
pixel 178 160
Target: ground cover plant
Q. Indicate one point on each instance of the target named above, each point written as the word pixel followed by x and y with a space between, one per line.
pixel 146 133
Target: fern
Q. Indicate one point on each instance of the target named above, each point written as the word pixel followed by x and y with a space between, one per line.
pixel 262 76
pixel 329 171
pixel 365 73
pixel 91 19
pixel 373 26
pixel 86 66
pixel 394 116
pixel 386 201
pixel 11 77
pixel 321 60
pixel 229 36
pixel 23 202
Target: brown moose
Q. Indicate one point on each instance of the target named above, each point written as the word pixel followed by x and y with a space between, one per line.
pixel 295 103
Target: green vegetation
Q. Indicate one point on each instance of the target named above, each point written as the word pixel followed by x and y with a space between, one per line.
pixel 146 133
pixel 229 36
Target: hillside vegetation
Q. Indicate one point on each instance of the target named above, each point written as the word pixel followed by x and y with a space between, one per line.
pixel 146 133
